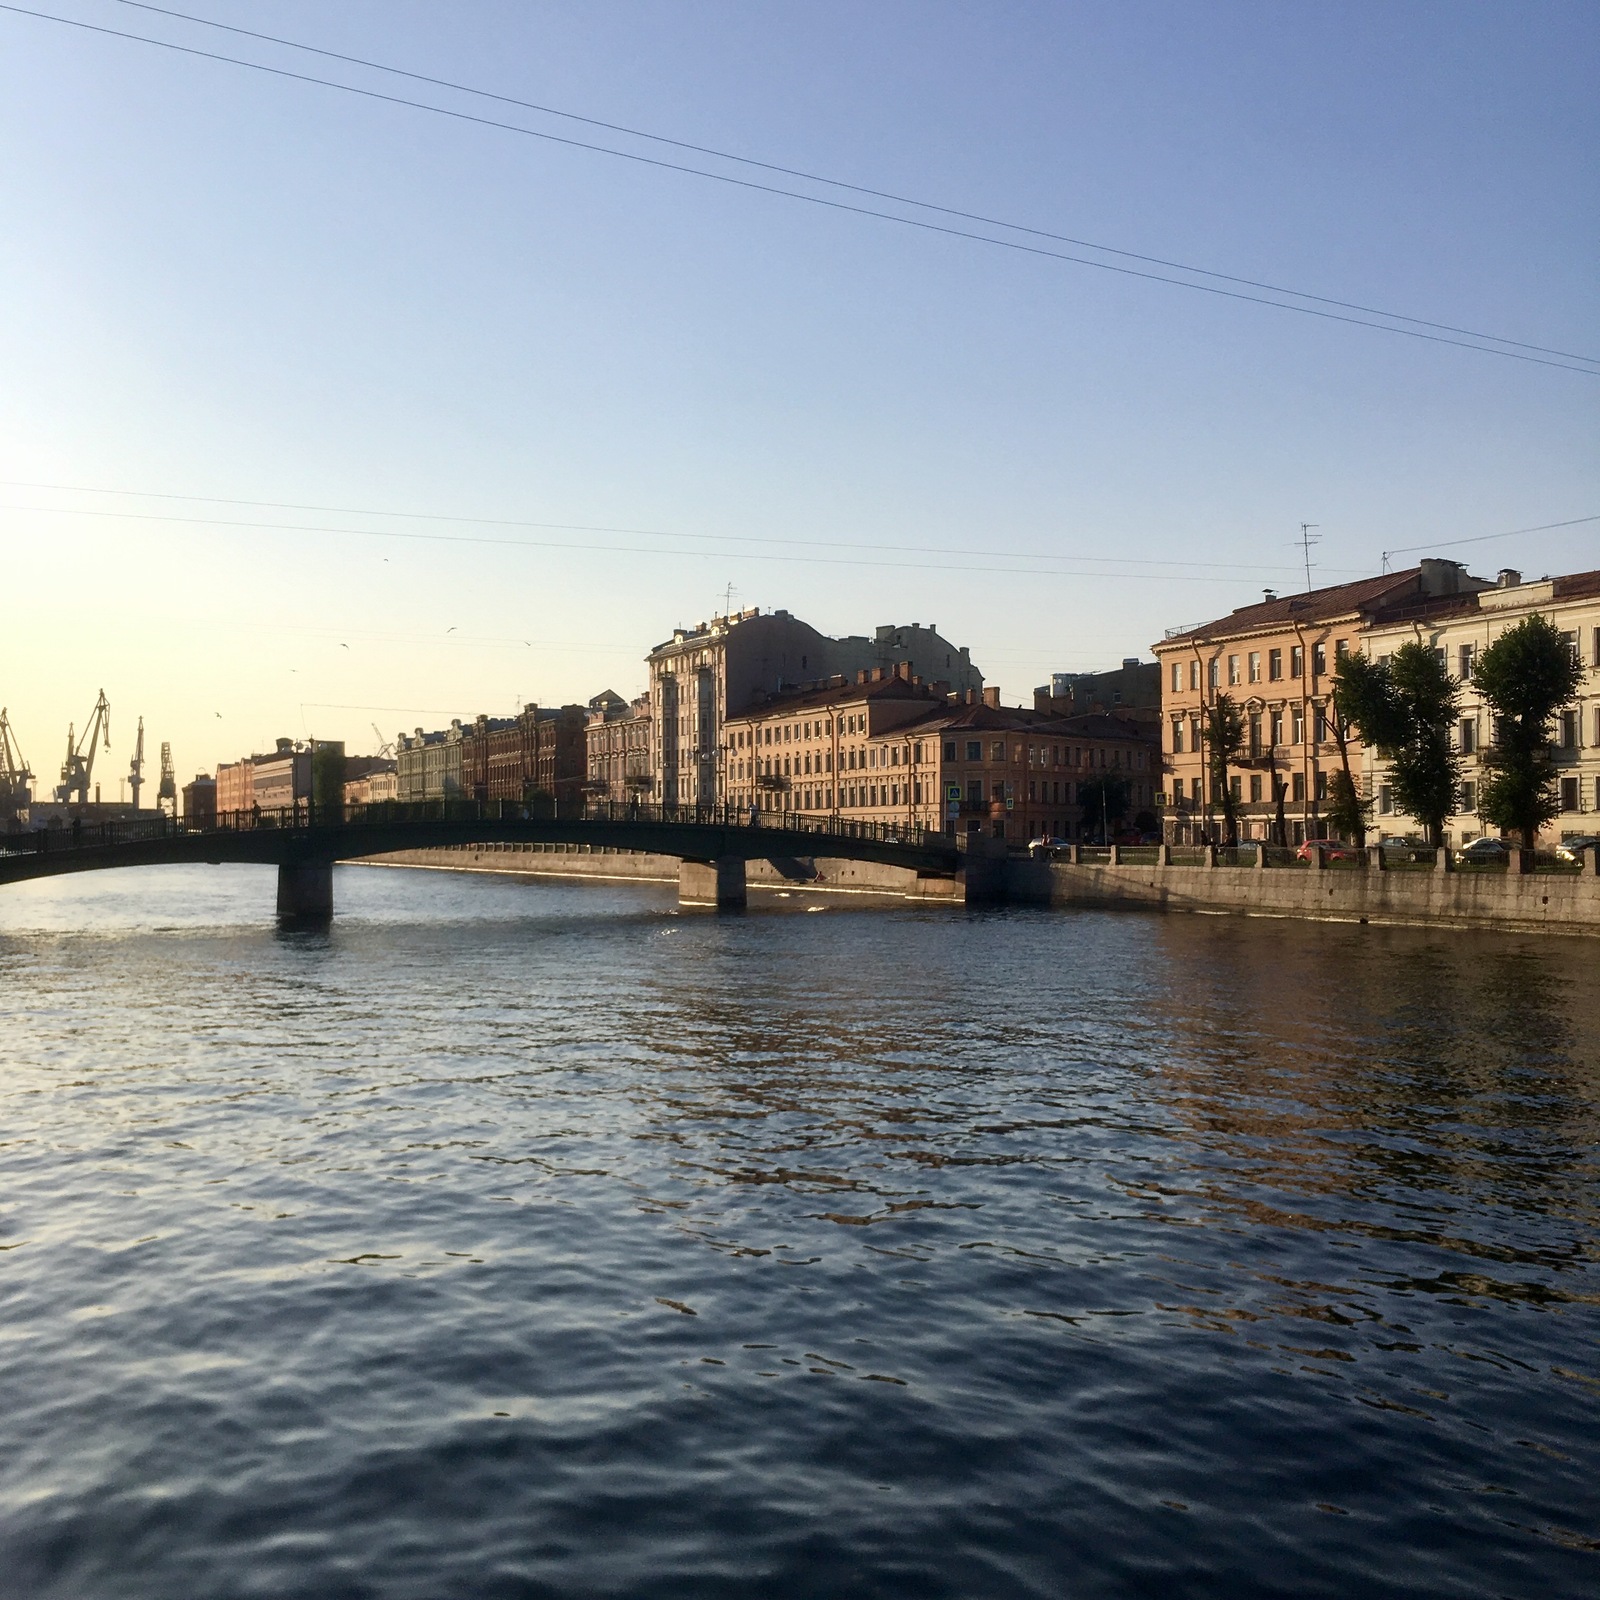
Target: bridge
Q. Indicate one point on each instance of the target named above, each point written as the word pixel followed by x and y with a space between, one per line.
pixel 303 842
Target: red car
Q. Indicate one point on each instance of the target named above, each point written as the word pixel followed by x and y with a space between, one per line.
pixel 1332 850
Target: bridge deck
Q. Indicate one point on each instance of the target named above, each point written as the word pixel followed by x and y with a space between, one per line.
pixel 302 836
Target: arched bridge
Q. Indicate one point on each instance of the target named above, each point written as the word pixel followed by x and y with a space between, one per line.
pixel 713 843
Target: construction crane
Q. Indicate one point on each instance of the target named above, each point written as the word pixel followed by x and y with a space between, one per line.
pixel 78 768
pixel 16 781
pixel 167 791
pixel 385 748
pixel 136 766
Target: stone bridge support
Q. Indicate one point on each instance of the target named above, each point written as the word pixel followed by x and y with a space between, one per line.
pixel 305 891
pixel 718 885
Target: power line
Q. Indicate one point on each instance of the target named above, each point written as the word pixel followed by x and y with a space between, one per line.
pixel 809 199
pixel 1484 538
pixel 840 183
pixel 613 549
pixel 585 527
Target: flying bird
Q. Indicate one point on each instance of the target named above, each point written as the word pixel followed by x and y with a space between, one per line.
pixel 450 629
pixel 344 646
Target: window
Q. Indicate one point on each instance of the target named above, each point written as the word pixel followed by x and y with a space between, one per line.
pixel 1569 735
pixel 1177 676
pixel 949 749
pixel 1194 730
pixel 974 750
pixel 1233 670
pixel 1469 735
pixel 997 750
pixel 1255 735
pixel 1255 666
pixel 1194 789
pixel 1385 800
pixel 1297 661
pixel 1321 784
pixel 1569 794
pixel 1277 727
pixel 1214 672
pixel 1319 660
pixel 1321 723
pixel 1235 787
pixel 975 792
pixel 1299 792
pixel 1466 660
pixel 1341 648
pixel 1297 725
pixel 1571 642
pixel 1255 788
pixel 1194 674
pixel 1275 665
pixel 1469 798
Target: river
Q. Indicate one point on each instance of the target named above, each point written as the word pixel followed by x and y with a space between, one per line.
pixel 529 1238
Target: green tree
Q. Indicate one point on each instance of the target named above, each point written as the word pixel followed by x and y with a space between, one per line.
pixel 1405 709
pixel 1224 740
pixel 1347 811
pixel 1527 675
pixel 1104 802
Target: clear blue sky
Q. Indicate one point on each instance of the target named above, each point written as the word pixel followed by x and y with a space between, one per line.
pixel 218 283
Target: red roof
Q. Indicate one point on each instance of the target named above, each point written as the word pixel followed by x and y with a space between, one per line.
pixel 1319 605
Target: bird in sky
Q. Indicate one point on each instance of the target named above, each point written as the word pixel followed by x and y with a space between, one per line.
pixel 344 646
pixel 450 629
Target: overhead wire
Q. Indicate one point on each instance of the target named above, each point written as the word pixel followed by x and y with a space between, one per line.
pixel 836 183
pixel 919 223
pixel 585 527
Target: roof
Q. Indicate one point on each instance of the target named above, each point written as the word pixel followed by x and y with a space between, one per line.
pixel 1319 605
pixel 1576 586
pixel 802 700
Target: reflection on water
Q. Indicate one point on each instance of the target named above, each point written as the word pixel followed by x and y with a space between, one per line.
pixel 522 1238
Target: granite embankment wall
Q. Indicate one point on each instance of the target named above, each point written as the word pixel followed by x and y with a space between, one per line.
pixel 1567 903
pixel 584 861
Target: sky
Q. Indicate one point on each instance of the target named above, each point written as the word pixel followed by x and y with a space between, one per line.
pixel 542 405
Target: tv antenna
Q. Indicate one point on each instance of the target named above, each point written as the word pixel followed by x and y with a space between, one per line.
pixel 1306 542
pixel 727 600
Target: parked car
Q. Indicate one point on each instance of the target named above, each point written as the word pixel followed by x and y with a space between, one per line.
pixel 1332 850
pixel 1047 846
pixel 1572 849
pixel 1483 850
pixel 1395 842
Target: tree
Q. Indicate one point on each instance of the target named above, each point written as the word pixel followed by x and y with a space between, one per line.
pixel 1527 675
pixel 1104 802
pixel 1347 811
pixel 1405 709
pixel 1224 740
pixel 1356 684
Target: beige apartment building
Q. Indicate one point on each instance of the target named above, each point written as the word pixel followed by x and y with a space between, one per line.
pixel 618 748
pixel 1275 659
pixel 891 749
pixel 705 675
pixel 1461 632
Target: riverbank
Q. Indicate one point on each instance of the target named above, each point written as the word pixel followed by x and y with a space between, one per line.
pixel 1558 903
pixel 819 876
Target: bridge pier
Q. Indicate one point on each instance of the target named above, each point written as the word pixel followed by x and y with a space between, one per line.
pixel 719 884
pixel 305 891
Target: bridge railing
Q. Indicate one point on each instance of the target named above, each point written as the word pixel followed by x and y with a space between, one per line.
pixel 80 835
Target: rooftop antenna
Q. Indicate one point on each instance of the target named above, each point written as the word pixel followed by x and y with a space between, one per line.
pixel 1306 542
pixel 727 600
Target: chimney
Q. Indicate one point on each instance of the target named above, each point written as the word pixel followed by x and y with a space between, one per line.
pixel 1440 577
pixel 863 676
pixel 902 670
pixel 1269 594
pixel 972 697
pixel 1507 578
pixel 991 698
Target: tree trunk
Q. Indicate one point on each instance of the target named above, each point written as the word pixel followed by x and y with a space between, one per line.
pixel 1342 740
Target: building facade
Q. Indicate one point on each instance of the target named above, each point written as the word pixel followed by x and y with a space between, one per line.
pixel 704 675
pixel 1461 633
pixel 200 801
pixel 618 755
pixel 1275 661
pixel 428 765
pixel 891 749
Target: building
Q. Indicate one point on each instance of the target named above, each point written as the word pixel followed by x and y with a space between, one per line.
pixel 200 801
pixel 428 765
pixel 368 780
pixel 283 778
pixel 618 752
pixel 704 675
pixel 537 754
pixel 889 748
pixel 1462 630
pixel 1131 691
pixel 266 782
pixel 1275 659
